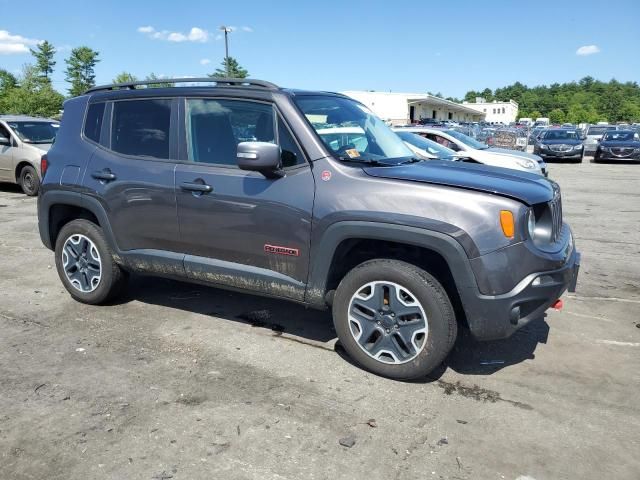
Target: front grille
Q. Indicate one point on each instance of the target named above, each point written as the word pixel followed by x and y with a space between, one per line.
pixel 560 148
pixel 622 151
pixel 555 206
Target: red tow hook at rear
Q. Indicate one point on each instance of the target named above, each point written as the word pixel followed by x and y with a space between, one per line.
pixel 558 305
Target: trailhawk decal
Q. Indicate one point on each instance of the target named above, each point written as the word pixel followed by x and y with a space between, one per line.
pixel 293 252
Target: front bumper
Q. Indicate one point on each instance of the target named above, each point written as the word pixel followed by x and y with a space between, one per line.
pixel 551 155
pixel 492 317
pixel 610 157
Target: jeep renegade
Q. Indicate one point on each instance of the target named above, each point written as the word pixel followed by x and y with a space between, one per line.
pixel 303 196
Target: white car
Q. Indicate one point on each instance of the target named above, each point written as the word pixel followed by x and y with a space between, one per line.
pixel 466 146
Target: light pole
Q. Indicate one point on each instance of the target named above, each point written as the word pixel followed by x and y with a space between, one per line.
pixel 226 31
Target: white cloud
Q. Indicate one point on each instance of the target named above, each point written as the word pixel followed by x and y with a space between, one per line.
pixel 587 50
pixel 196 34
pixel 247 29
pixel 15 44
pixel 205 61
pixel 219 37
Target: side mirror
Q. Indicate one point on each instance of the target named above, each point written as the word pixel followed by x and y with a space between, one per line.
pixel 5 140
pixel 260 157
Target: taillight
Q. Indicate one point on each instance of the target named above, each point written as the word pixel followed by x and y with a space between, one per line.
pixel 44 164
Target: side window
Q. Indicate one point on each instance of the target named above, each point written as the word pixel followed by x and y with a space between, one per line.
pixel 215 127
pixel 291 154
pixel 141 127
pixel 93 122
pixel 4 132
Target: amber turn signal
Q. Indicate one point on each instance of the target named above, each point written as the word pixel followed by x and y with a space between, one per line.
pixel 507 223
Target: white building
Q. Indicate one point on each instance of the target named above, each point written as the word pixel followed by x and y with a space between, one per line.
pixel 407 108
pixel 496 112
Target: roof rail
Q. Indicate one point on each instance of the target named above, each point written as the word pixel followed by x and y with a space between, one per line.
pixel 220 82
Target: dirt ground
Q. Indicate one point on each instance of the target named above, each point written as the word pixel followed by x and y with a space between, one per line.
pixel 177 381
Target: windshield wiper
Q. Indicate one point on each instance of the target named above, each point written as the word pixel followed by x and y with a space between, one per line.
pixel 368 161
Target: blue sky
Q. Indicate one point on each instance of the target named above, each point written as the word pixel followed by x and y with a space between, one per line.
pixel 448 47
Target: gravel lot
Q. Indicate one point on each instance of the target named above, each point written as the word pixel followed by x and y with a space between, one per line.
pixel 178 381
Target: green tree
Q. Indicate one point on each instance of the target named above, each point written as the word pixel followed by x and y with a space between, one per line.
pixel 230 68
pixel 160 83
pixel 535 114
pixel 124 77
pixel 31 94
pixel 556 116
pixel 7 81
pixel 80 69
pixel 43 54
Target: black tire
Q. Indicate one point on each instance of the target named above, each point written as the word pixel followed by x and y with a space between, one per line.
pixel 112 278
pixel 432 297
pixel 29 181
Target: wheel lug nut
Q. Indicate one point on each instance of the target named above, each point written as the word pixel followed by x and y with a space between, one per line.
pixel 387 330
pixel 379 322
pixel 393 315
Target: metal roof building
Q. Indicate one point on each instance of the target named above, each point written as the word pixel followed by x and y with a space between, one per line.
pixel 407 108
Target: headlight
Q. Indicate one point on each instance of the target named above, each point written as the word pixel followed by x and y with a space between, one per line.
pixel 542 145
pixel 524 163
pixel 577 147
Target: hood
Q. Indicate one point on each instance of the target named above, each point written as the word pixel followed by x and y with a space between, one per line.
pixel 620 143
pixel 526 187
pixel 513 153
pixel 565 141
pixel 44 147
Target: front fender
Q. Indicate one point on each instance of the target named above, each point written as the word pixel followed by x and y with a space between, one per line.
pixel 323 249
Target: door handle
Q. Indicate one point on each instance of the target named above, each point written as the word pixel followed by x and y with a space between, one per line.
pixel 104 175
pixel 196 187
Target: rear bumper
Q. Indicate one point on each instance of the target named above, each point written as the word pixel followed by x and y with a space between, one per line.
pixel 492 317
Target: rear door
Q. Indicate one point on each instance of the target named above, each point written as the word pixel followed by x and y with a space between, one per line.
pixel 131 173
pixel 239 228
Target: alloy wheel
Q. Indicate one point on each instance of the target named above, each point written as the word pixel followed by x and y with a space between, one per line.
pixel 388 322
pixel 81 263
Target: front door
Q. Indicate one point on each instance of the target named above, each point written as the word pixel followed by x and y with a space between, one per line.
pixel 238 228
pixel 6 157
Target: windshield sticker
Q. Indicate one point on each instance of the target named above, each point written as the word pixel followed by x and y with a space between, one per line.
pixel 352 153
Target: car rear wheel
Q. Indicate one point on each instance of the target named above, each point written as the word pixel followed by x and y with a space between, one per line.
pixel 29 181
pixel 394 319
pixel 85 263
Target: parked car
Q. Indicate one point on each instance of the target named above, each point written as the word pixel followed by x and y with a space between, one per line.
pixel 481 152
pixel 534 134
pixel 559 144
pixel 619 145
pixel 593 136
pixel 23 141
pixel 425 148
pixel 403 251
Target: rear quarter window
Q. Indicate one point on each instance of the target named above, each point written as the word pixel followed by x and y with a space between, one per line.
pixel 93 121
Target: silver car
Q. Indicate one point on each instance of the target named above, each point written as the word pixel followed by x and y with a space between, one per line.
pixel 593 136
pixel 23 141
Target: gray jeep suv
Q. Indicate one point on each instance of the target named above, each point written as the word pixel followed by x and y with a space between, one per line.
pixel 243 185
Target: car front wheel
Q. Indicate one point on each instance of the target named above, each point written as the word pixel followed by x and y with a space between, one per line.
pixel 29 181
pixel 394 319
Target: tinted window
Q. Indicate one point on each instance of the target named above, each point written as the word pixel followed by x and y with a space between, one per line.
pixel 215 127
pixel 561 135
pixel 141 127
pixel 291 154
pixel 621 136
pixel 93 122
pixel 598 130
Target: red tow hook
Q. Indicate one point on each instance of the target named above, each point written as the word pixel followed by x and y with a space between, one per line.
pixel 558 305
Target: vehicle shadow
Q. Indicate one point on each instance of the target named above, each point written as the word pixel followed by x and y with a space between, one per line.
pixel 10 188
pixel 261 312
pixel 468 356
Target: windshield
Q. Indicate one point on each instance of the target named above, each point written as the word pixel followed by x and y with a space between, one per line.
pixel 35 132
pixel 351 131
pixel 561 135
pixel 429 146
pixel 621 136
pixel 470 142
pixel 599 130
